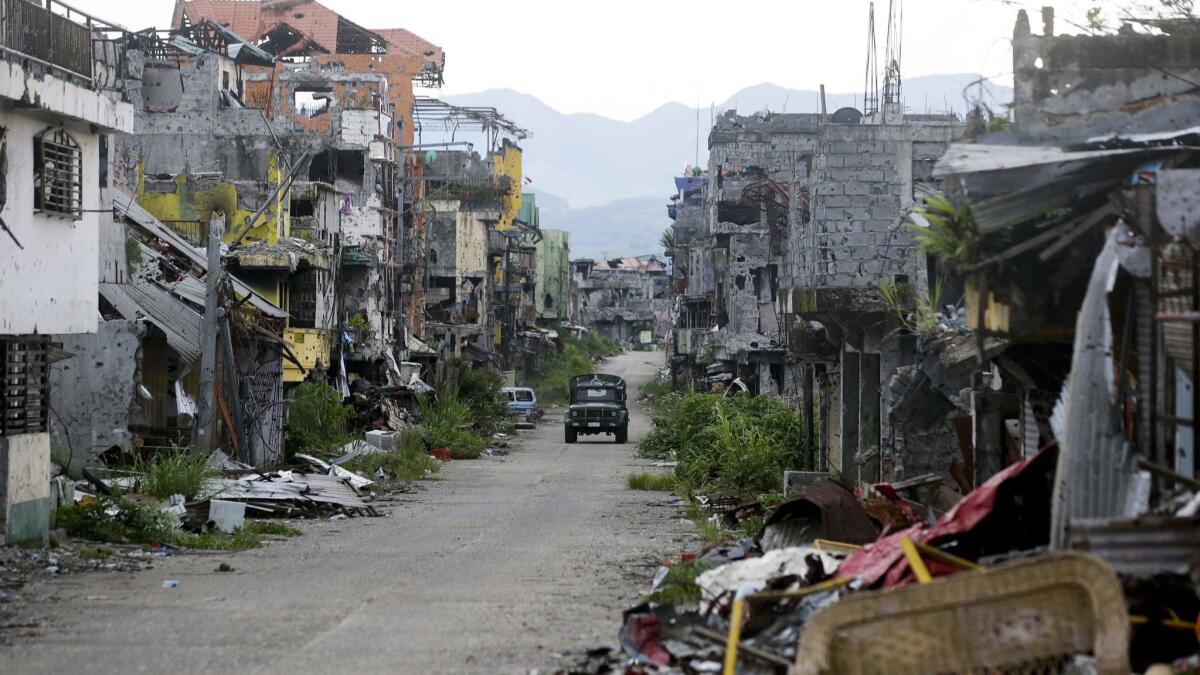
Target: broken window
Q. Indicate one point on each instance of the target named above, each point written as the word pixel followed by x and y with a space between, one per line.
pixel 349 169
pixel 103 161
pixel 312 102
pixel 549 301
pixel 25 396
pixel 57 174
pixel 301 208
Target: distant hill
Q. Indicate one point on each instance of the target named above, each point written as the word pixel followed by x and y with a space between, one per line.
pixel 620 228
pixel 596 163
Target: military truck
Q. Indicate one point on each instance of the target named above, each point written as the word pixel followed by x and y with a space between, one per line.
pixel 597 407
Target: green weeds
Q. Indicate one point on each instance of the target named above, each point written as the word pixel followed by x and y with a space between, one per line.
pixel 650 481
pixel 734 444
pixel 273 528
pixel 120 520
pixel 408 461
pixel 171 473
pixel 680 587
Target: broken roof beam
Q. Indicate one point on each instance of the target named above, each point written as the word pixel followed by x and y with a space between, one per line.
pixel 482 118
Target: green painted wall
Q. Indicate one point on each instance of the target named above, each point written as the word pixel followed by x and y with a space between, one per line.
pixel 553 281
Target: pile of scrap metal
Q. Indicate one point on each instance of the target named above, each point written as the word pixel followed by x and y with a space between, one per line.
pixel 826 588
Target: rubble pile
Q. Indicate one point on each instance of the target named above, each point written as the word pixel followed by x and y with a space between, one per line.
pixel 828 587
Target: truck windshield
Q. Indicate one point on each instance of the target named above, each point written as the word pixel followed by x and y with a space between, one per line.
pixel 596 395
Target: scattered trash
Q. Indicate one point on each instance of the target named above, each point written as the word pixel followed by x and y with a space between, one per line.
pixel 225 567
pixel 170 583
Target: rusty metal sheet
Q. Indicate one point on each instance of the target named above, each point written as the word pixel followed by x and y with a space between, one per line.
pixel 1142 546
pixel 829 506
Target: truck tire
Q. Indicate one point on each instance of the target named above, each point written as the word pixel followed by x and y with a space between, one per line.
pixel 571 435
pixel 623 434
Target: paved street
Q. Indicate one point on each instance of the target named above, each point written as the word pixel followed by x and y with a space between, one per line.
pixel 497 566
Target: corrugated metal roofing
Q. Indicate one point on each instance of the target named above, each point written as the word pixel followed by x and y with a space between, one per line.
pixel 182 325
pixel 128 207
pixel 973 158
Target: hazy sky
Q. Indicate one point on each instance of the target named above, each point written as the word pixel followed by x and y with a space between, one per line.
pixel 624 58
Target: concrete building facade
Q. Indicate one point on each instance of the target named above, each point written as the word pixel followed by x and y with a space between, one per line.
pixel 56 125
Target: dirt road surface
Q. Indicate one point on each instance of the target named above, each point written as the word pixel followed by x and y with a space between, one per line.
pixel 499 566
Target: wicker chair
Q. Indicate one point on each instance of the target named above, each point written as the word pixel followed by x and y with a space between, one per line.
pixel 1026 617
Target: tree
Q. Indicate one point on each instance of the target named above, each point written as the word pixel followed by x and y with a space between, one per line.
pixel 667 240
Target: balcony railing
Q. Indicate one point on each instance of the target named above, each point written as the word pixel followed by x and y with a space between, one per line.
pixel 58 35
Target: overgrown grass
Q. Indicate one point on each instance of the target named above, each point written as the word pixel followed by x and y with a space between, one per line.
pixel 243 539
pixel 172 473
pixel 710 532
pixel 650 481
pixel 736 444
pixel 679 588
pixel 656 392
pixel 408 461
pixel 131 521
pixel 578 356
pixel 113 519
pixel 273 528
pixel 446 423
pixel 316 419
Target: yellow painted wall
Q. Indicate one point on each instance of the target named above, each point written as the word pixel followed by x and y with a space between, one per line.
pixel 189 203
pixel 507 163
pixel 311 347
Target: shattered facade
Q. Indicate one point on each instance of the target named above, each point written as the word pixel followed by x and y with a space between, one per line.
pixel 625 299
pixel 781 248
pixel 57 121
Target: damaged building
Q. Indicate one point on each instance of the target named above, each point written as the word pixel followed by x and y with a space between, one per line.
pixel 625 299
pixel 1079 270
pixel 786 252
pixel 60 108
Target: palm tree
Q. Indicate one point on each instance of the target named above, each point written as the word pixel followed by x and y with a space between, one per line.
pixel 667 240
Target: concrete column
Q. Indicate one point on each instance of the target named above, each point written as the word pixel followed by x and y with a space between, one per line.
pixel 869 418
pixel 849 396
pixel 25 487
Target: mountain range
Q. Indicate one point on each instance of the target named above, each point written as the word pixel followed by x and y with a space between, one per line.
pixel 608 181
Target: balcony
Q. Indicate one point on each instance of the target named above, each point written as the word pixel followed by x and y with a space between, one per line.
pixel 61 37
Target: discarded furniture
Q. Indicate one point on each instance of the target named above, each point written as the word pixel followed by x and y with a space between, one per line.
pixel 1022 617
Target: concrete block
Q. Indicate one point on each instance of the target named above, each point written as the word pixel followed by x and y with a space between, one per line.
pixel 229 517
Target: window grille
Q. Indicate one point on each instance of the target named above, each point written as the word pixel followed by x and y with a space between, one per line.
pixel 24 386
pixel 58 174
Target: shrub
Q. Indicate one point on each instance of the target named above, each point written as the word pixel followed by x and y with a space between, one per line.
pixel 480 390
pixel 443 422
pixel 650 481
pixel 316 419
pixel 172 473
pixel 735 444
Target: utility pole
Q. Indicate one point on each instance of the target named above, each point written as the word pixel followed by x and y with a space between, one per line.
pixel 212 318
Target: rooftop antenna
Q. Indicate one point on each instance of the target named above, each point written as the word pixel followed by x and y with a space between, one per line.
pixel 871 88
pixel 891 77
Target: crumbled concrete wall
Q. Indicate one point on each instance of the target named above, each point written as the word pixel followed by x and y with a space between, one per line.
pixel 1058 77
pixel 94 393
